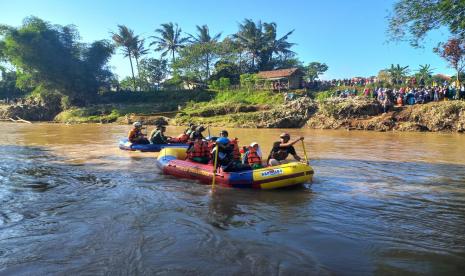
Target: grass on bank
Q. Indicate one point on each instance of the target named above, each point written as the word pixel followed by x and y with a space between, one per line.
pixel 192 103
pixel 106 113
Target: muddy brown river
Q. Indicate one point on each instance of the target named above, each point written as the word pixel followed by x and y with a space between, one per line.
pixel 72 203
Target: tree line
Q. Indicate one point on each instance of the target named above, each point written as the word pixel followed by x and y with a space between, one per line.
pixel 48 58
pixel 42 58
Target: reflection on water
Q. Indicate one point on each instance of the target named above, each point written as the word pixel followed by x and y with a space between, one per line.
pixel 72 203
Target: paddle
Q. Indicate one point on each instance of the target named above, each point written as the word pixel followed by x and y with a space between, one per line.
pixel 305 152
pixel 215 162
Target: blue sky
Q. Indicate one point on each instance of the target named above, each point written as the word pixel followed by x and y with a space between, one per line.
pixel 349 36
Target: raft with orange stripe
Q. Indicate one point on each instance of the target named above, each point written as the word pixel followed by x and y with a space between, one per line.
pixel 172 162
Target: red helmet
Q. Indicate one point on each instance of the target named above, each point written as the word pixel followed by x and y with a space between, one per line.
pixel 285 135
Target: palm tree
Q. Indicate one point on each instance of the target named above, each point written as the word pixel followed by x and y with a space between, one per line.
pixel 250 37
pixel 125 39
pixel 139 50
pixel 398 73
pixel 280 47
pixel 169 40
pixel 204 38
pixel 424 73
pixel 260 41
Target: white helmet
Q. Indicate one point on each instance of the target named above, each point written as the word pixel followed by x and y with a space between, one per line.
pixel 137 124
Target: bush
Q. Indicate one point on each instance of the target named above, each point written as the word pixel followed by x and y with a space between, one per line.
pixel 224 83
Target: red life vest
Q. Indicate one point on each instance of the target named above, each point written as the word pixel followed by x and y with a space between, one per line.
pixel 198 149
pixel 253 157
pixel 236 152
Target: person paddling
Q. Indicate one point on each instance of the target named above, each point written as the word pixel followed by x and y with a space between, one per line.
pixel 282 149
pixel 158 135
pixel 135 135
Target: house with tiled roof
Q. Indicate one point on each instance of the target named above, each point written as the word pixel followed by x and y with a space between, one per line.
pixel 283 79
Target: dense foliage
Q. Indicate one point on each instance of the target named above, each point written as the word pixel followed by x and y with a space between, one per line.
pixel 52 57
pixel 413 19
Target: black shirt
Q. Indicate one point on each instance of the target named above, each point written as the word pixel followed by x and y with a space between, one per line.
pixel 280 153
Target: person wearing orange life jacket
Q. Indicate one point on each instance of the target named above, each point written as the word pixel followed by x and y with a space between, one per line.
pixel 198 151
pixel 253 156
pixel 184 137
pixel 135 135
pixel 235 147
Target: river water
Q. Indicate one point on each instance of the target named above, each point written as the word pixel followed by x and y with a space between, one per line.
pixel 381 203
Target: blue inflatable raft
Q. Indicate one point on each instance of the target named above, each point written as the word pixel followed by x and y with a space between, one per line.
pixel 124 144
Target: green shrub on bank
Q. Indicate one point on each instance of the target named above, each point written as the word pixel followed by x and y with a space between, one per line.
pixel 108 113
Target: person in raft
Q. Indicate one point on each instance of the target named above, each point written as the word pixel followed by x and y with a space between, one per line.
pixel 282 149
pixel 158 135
pixel 253 156
pixel 226 158
pixel 233 143
pixel 135 135
pixel 198 151
pixel 197 134
pixel 184 137
pixel 190 129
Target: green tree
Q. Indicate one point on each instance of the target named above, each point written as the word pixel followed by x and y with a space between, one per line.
pixel 138 51
pixel 250 38
pixel 52 57
pixel 127 41
pixel 8 87
pixel 398 73
pixel 314 70
pixel 413 19
pixel 208 45
pixel 424 74
pixel 224 83
pixel 260 42
pixel 153 71
pixel 273 46
pixel 169 40
pixel 248 81
pixel 192 60
pixel 224 69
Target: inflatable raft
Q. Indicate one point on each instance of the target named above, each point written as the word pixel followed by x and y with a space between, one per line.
pixel 172 162
pixel 124 144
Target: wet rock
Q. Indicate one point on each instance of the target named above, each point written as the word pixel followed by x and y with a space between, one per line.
pixel 30 112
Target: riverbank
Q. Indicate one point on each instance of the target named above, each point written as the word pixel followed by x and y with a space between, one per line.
pixel 264 109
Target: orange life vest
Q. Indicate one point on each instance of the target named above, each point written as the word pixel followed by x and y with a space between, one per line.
pixel 198 149
pixel 253 157
pixel 236 152
pixel 182 138
pixel 134 134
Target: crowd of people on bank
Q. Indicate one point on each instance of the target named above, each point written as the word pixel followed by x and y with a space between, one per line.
pixel 406 95
pixel 226 151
